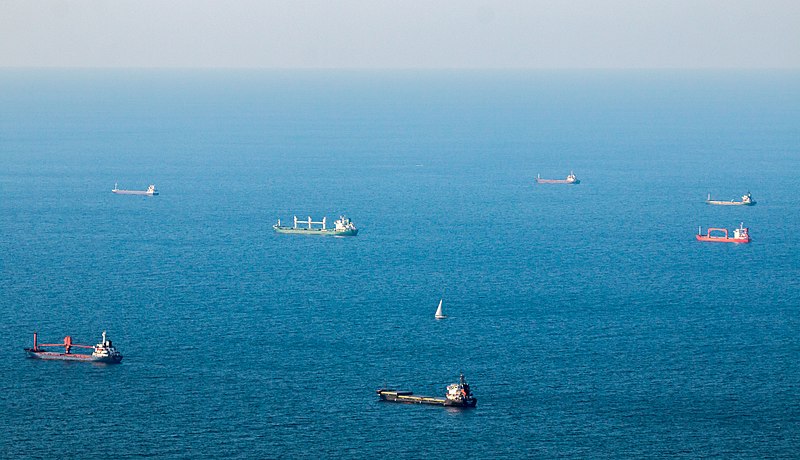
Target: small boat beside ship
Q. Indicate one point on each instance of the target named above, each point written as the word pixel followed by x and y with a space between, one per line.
pixel 458 395
pixel 571 179
pixel 341 227
pixel 747 200
pixel 151 191
pixel 720 235
pixel 103 352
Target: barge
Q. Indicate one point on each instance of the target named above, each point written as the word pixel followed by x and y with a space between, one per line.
pixel 103 352
pixel 342 227
pixel 720 235
pixel 151 191
pixel 747 200
pixel 458 395
pixel 571 179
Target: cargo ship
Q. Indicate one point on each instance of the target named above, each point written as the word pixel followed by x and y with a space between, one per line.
pixel 342 227
pixel 571 179
pixel 103 352
pixel 747 200
pixel 720 235
pixel 151 190
pixel 458 395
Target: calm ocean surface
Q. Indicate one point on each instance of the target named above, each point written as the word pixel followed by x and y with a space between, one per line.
pixel 588 320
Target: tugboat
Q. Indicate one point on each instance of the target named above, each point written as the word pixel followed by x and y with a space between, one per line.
pixel 740 235
pixel 103 352
pixel 342 227
pixel 747 200
pixel 458 395
pixel 571 179
pixel 151 191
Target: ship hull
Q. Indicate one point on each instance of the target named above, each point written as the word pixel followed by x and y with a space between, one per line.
pixel 716 239
pixel 729 203
pixel 558 181
pixel 408 398
pixel 314 231
pixel 55 356
pixel 134 192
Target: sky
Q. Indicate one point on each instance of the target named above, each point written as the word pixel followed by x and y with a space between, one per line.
pixel 413 34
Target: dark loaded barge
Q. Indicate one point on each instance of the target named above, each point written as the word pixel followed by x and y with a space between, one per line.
pixel 458 395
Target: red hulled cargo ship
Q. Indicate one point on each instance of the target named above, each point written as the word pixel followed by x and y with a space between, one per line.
pixel 720 235
pixel 103 352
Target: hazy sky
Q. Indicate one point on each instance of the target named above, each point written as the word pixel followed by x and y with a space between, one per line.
pixel 401 34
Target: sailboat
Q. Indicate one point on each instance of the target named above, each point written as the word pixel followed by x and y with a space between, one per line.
pixel 439 314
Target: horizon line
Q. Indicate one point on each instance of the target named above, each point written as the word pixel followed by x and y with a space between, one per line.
pixel 362 69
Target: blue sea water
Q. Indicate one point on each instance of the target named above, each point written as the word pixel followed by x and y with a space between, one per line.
pixel 588 320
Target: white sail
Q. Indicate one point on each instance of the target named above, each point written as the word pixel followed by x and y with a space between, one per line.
pixel 439 314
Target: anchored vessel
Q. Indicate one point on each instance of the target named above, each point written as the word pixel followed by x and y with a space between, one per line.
pixel 571 179
pixel 151 190
pixel 458 395
pixel 103 352
pixel 720 235
pixel 342 227
pixel 747 200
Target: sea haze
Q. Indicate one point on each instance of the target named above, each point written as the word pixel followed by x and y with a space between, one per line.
pixel 588 320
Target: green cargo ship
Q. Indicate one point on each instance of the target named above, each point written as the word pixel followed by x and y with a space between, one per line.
pixel 342 227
